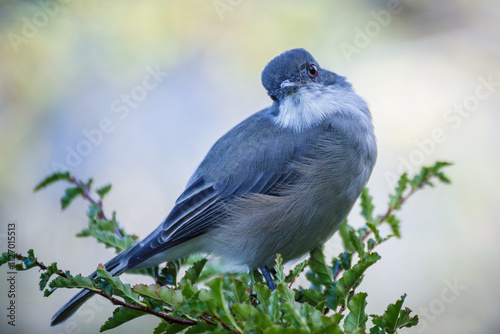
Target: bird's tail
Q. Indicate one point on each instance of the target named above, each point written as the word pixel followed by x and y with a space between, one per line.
pixel 115 267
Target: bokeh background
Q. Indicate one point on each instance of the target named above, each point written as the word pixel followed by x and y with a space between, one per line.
pixel 156 83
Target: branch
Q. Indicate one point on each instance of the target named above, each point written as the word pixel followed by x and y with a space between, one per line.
pixel 226 326
pixel 86 195
pixel 163 316
pixel 42 266
pixel 391 209
pixel 115 301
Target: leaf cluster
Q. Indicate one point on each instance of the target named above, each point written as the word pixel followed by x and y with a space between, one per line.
pixel 196 296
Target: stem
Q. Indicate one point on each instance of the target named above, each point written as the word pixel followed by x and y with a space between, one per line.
pixel 163 316
pixel 226 326
pixel 115 301
pixel 208 321
pixel 389 211
pixel 42 266
pixel 86 194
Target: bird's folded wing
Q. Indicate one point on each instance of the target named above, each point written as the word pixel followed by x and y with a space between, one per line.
pixel 256 160
pixel 197 211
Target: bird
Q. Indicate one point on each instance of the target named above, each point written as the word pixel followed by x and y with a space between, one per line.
pixel 281 181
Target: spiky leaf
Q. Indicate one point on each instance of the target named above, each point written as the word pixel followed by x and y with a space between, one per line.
pixel 120 316
pixel 355 321
pixel 57 176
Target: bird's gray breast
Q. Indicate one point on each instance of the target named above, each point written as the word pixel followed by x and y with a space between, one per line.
pixel 329 176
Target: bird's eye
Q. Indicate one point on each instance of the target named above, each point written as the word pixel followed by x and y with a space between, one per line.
pixel 273 97
pixel 312 70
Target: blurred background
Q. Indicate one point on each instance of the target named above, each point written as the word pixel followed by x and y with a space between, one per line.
pixel 135 93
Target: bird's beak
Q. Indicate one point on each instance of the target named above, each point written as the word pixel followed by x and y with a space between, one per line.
pixel 287 86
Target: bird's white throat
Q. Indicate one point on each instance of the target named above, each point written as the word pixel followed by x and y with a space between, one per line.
pixel 311 104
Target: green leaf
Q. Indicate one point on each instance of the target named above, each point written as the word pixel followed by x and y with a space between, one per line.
pixel 48 292
pixel 166 328
pixel 119 289
pixel 194 272
pixel 280 274
pixel 395 199
pixel 251 317
pixel 331 327
pixel 52 178
pixel 237 291
pixel 351 277
pixel 6 257
pixel 219 299
pixel 246 311
pixel 285 294
pixel 292 315
pixel 168 275
pixel 201 327
pixel 83 233
pixel 210 271
pixel 375 231
pixel 189 291
pixel 256 276
pixel 345 260
pixel 367 205
pixel 426 173
pixel 283 330
pixel 344 232
pixel 27 262
pixel 264 295
pixel 355 322
pixel 311 296
pixel 171 297
pixel 394 224
pixel 395 318
pixel 161 328
pixel 45 276
pixel 120 316
pixel 357 244
pixel 103 191
pixel 111 240
pixel 295 272
pixel 371 244
pixel 70 195
pixel 93 210
pixel 331 296
pixel 104 225
pixel 77 281
pixel 321 273
pixel 315 319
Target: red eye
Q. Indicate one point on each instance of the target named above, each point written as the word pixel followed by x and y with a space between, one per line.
pixel 274 98
pixel 313 70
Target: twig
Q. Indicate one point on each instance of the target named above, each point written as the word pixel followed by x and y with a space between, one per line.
pixel 86 194
pixel 208 321
pixel 163 316
pixel 389 211
pixel 42 266
pixel 226 326
pixel 115 301
pixel 343 306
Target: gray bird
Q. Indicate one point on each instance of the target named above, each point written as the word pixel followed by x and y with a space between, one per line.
pixel 282 181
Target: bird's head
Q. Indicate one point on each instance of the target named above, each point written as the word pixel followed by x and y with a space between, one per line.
pixel 305 94
pixel 294 70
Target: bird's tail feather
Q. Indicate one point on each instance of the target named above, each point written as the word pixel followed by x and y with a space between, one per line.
pixel 115 266
pixel 71 306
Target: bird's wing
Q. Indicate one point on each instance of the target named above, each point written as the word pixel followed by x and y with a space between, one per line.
pixel 254 157
pixel 251 158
